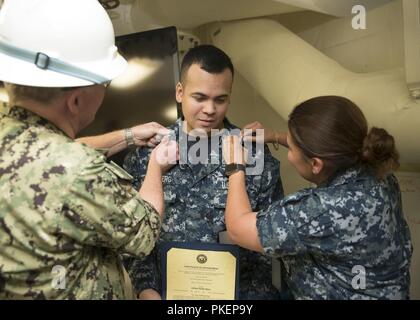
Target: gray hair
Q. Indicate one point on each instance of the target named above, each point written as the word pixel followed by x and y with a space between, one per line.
pixel 40 94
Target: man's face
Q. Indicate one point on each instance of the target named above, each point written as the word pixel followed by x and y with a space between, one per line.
pixel 205 98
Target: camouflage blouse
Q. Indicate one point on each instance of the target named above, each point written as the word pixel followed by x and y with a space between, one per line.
pixel 65 214
pixel 346 239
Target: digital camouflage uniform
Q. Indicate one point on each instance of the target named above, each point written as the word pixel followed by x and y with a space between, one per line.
pixel 327 237
pixel 63 205
pixel 195 201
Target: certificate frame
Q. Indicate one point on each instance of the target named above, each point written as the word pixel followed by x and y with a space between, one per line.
pixel 198 246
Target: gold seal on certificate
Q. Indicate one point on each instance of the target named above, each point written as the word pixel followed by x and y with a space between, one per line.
pixel 200 271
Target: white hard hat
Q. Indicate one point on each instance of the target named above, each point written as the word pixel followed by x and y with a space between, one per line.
pixel 57 43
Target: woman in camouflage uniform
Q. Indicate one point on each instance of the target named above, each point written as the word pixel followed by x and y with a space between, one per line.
pixel 346 238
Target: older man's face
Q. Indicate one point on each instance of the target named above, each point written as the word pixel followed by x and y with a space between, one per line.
pixel 205 98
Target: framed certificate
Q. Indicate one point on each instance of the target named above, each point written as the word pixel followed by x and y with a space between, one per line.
pixel 200 271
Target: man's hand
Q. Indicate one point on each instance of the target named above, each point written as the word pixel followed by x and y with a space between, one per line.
pixel 148 134
pixel 149 294
pixel 165 155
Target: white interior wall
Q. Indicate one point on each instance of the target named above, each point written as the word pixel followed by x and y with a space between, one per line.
pixel 248 106
pixel 188 14
pixel 336 8
pixel 379 47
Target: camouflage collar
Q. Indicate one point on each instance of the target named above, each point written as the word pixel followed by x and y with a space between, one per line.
pixel 32 118
pixel 345 176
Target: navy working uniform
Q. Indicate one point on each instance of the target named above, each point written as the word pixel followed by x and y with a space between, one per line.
pixel 195 201
pixel 346 239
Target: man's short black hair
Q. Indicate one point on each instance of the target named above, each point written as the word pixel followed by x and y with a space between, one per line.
pixel 209 58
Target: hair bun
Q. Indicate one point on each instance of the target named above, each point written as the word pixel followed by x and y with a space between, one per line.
pixel 379 151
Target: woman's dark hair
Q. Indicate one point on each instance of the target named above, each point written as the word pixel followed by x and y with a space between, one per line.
pixel 335 130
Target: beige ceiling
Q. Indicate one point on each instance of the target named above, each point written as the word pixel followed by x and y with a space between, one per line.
pixel 188 14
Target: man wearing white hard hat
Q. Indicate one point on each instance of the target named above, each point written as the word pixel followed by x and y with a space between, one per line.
pixel 65 213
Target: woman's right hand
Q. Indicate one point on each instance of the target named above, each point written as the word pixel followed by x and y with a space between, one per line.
pixel 270 136
pixel 165 155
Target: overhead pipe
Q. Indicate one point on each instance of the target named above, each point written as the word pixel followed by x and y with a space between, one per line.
pixel 286 71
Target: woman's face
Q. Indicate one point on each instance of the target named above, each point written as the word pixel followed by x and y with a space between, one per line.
pixel 302 164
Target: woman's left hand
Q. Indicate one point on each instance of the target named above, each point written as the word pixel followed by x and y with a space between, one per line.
pixel 233 152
